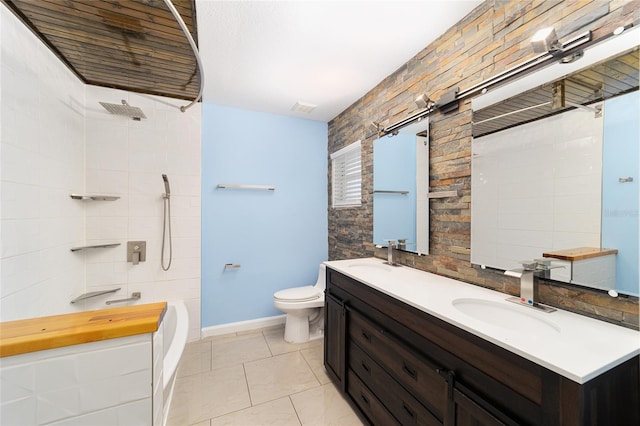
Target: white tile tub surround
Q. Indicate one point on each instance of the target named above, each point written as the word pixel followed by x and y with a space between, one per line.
pixel 57 140
pixel 105 382
pixel 530 191
pixel 127 158
pixel 42 161
pixel 598 272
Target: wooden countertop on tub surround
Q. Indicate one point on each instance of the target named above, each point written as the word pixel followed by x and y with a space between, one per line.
pixel 579 253
pixel 37 334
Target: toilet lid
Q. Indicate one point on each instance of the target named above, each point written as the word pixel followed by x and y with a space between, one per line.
pixel 298 294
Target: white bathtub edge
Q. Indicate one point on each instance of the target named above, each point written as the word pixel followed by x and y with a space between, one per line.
pixel 234 327
pixel 173 355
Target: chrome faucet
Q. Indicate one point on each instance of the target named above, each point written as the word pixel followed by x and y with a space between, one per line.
pixel 528 288
pixel 391 245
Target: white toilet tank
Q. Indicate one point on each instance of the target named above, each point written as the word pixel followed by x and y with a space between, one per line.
pixel 321 283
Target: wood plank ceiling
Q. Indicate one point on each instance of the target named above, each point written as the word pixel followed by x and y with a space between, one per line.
pixel 602 81
pixel 135 45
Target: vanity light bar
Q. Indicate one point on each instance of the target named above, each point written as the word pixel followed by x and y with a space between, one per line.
pixel 394 128
pixel 450 101
pixel 527 66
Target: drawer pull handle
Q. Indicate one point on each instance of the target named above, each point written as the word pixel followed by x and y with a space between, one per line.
pixel 409 411
pixel 366 336
pixel 364 398
pixel 366 367
pixel 409 371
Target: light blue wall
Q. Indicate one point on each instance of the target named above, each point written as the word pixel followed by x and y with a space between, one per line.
pixel 278 237
pixel 394 168
pixel 620 203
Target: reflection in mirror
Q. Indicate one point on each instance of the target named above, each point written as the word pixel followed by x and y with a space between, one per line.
pixel 555 174
pixel 400 186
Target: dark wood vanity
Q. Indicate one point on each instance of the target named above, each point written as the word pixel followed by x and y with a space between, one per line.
pixel 400 365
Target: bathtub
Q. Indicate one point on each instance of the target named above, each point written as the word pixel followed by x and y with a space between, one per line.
pixel 176 329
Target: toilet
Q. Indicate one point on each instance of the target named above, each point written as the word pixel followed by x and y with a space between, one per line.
pixel 304 307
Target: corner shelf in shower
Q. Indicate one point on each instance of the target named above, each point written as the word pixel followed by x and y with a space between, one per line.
pixel 94 197
pixel 94 246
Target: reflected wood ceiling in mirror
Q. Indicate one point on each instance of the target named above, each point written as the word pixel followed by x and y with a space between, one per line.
pixel 135 45
pixel 605 80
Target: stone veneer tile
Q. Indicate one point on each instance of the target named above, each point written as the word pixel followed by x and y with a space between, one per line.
pixel 486 42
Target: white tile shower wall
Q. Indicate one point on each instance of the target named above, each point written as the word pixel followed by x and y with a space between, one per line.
pixel 52 125
pixel 42 162
pixel 127 158
pixel 521 182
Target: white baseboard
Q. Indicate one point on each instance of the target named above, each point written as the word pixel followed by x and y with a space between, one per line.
pixel 234 327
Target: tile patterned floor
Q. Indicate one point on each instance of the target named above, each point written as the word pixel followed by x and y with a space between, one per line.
pixel 256 379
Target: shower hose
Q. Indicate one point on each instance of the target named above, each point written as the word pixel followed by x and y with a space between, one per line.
pixel 166 223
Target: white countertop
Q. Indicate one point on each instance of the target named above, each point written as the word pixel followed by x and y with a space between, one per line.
pixel 575 346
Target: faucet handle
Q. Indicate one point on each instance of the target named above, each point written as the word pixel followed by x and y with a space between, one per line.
pixel 392 243
pixel 538 265
pixel 529 265
pixel 546 263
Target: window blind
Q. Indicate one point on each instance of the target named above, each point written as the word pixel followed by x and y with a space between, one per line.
pixel 347 176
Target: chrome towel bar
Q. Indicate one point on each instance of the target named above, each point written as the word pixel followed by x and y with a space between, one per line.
pixel 384 191
pixel 242 186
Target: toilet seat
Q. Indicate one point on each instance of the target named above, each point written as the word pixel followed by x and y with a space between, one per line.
pixel 298 294
pixel 304 307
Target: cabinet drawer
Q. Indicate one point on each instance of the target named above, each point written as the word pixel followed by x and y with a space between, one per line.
pixel 367 402
pixel 415 372
pixel 402 405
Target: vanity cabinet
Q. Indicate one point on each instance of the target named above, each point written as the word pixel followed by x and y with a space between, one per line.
pixel 400 365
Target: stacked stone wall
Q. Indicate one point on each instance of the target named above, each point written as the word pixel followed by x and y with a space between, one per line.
pixel 492 38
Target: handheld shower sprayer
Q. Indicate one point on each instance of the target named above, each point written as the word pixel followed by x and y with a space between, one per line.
pixel 167 189
pixel 166 222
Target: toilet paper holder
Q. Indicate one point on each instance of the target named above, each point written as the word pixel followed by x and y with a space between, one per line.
pixel 231 265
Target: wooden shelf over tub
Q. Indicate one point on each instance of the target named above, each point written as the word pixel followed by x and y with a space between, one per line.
pixel 37 334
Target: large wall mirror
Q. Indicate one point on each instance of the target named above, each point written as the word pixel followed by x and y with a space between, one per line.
pixel 555 170
pixel 400 189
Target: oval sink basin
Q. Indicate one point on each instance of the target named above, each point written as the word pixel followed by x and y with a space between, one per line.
pixel 516 318
pixel 371 267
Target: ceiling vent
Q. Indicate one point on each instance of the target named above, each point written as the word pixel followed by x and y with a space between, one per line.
pixel 303 107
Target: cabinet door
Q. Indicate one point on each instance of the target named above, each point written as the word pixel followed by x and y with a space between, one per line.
pixel 468 409
pixel 468 413
pixel 334 339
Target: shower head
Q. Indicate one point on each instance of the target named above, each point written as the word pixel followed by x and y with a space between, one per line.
pixel 167 190
pixel 125 109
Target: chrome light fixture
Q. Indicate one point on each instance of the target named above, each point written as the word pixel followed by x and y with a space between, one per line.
pixel 546 41
pixel 423 101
